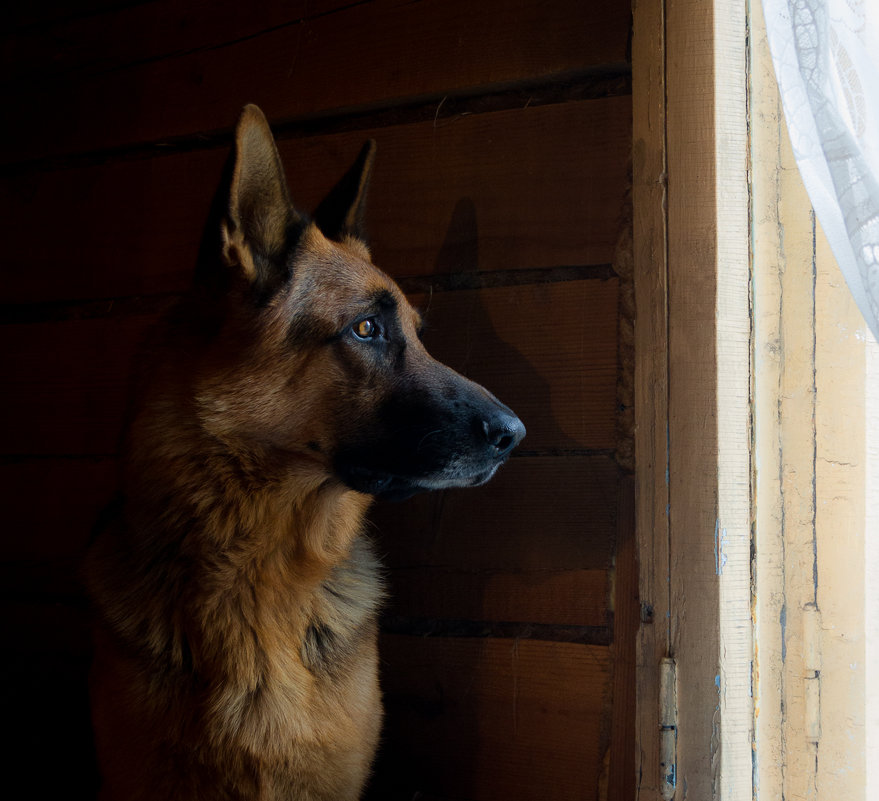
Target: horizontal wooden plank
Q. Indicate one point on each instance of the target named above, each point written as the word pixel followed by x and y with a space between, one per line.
pixel 66 382
pixel 127 33
pixel 563 597
pixel 537 514
pixel 375 52
pixel 50 506
pixel 547 351
pixel 533 188
pixel 490 719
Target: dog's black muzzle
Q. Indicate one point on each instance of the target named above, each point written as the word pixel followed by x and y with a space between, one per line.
pixel 451 433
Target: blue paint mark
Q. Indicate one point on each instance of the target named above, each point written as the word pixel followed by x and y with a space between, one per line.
pixel 717 682
pixel 720 540
pixel 671 778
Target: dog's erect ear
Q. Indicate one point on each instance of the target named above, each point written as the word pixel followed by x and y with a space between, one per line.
pixel 341 211
pixel 260 222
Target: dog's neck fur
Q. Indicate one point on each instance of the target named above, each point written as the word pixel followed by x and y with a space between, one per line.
pixel 226 516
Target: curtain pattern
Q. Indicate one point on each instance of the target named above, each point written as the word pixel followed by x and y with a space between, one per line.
pixel 826 58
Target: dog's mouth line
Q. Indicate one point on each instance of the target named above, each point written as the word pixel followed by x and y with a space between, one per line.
pixel 380 482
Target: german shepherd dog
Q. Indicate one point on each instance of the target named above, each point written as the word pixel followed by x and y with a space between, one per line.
pixel 236 595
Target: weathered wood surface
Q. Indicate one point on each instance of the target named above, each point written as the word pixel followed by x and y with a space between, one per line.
pixel 366 54
pixel 470 194
pixel 488 719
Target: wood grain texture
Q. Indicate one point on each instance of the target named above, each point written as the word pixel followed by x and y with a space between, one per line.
pixel 649 191
pixel 734 514
pixel 573 597
pixel 116 34
pixel 490 719
pixel 548 351
pixel 470 194
pixel 336 61
pixel 622 771
pixel 809 363
pixel 537 514
pixel 693 402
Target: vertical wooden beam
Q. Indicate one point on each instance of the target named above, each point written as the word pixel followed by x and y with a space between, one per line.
pixel 649 179
pixel 621 780
pixel 809 410
pixel 770 297
pixel 733 366
pixel 839 529
pixel 693 389
pixel 693 455
pixel 871 570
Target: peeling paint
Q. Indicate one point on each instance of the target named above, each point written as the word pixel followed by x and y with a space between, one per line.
pixel 721 540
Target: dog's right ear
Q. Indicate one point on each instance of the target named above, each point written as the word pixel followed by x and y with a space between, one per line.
pixel 259 224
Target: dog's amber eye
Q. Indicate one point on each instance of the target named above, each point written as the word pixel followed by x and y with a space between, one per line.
pixel 367 329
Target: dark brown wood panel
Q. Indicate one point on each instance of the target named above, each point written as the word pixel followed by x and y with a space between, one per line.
pixel 548 351
pixel 551 597
pixel 370 53
pixel 538 514
pixel 129 32
pixel 470 194
pixel 491 719
pixel 622 770
pixel 67 382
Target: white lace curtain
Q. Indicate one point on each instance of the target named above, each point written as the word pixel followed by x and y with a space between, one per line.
pixel 826 57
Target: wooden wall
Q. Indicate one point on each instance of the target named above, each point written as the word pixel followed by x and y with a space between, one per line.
pixel 503 133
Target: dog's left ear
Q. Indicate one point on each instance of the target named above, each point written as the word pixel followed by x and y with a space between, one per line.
pixel 341 212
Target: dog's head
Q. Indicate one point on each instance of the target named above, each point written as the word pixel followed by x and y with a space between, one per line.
pixel 318 355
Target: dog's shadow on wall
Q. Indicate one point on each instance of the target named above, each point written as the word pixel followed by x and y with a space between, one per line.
pixel 437 536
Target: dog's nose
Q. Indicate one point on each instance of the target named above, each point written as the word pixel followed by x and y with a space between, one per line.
pixel 503 432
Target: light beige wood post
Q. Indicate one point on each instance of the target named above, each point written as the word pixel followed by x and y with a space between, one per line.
pixel 810 466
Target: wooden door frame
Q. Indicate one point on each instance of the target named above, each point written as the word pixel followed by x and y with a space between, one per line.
pixel 753 411
pixel 692 407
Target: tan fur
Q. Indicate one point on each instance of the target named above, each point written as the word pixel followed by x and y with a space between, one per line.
pixel 232 542
pixel 235 594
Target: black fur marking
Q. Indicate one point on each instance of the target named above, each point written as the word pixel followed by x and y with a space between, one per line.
pixel 307 328
pixel 321 648
pixel 345 612
pixel 384 301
